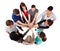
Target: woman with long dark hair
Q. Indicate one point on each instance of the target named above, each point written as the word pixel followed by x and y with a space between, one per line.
pixel 24 12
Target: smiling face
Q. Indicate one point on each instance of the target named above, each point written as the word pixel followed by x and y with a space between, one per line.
pixel 48 12
pixel 33 9
pixel 24 8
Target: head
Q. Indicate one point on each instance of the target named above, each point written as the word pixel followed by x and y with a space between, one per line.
pixel 23 6
pixel 49 9
pixel 9 23
pixel 33 7
pixel 49 22
pixel 28 39
pixel 16 12
pixel 43 36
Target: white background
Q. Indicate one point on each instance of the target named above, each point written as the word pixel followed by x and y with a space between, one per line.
pixel 53 33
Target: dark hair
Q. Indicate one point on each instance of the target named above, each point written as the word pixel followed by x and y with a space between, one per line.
pixel 21 5
pixel 16 11
pixel 50 22
pixel 33 6
pixel 50 8
pixel 43 36
pixel 14 36
pixel 44 39
pixel 9 22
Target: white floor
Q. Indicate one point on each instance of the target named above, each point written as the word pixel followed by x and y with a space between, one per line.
pixel 53 33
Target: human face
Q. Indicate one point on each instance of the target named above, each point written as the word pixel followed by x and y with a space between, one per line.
pixel 48 12
pixel 11 26
pixel 33 9
pixel 24 8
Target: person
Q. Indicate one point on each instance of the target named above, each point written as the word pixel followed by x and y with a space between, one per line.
pixel 40 38
pixel 24 12
pixel 29 40
pixel 17 19
pixel 33 13
pixel 48 14
pixel 44 24
pixel 13 31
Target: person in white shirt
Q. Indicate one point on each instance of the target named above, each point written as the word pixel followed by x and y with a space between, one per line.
pixel 48 14
pixel 13 32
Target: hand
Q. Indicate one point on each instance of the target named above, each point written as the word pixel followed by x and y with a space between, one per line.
pixel 31 25
pixel 28 22
pixel 36 26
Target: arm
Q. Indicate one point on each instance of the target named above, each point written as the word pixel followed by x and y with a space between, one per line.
pixel 38 26
pixel 54 18
pixel 35 18
pixel 32 24
pixel 41 22
pixel 26 32
pixel 25 17
pixel 44 27
pixel 29 17
pixel 39 18
pixel 33 35
pixel 20 23
pixel 7 31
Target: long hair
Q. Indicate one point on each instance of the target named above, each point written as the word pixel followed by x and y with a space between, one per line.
pixel 21 5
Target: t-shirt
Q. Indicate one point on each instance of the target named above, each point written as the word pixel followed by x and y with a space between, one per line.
pixel 11 29
pixel 15 37
pixel 38 40
pixel 16 18
pixel 26 13
pixel 32 14
pixel 43 16
pixel 39 30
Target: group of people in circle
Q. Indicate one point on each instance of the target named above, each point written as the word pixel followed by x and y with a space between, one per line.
pixel 29 19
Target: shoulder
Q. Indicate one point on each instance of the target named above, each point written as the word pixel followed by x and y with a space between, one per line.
pixel 36 38
pixel 37 10
pixel 7 29
pixel 43 13
pixel 53 14
pixel 29 11
pixel 13 15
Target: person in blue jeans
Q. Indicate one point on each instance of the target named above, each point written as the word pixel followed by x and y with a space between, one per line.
pixel 17 19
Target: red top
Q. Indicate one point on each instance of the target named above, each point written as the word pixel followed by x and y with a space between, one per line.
pixel 26 13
